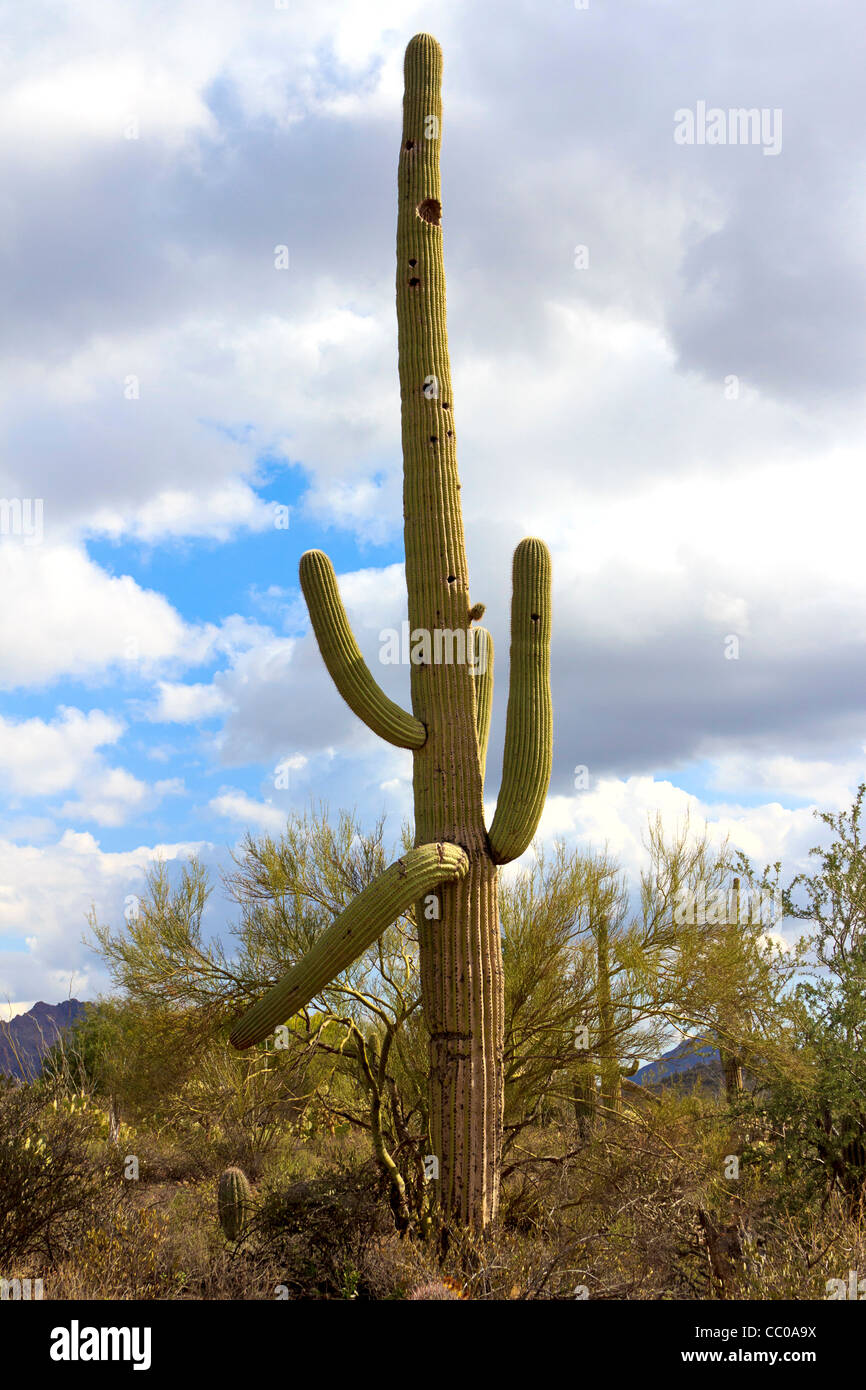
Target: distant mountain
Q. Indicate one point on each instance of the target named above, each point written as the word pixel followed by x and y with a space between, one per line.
pixel 25 1040
pixel 691 1060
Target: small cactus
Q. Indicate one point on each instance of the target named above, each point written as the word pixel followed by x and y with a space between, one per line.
pixel 438 1289
pixel 233 1202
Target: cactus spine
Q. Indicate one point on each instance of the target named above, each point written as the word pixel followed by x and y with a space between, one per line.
pixel 233 1202
pixel 456 902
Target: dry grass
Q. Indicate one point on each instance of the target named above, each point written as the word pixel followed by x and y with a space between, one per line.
pixel 639 1210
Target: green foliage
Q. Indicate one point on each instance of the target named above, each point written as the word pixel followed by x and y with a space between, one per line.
pixel 587 987
pixel 325 1233
pixel 581 961
pixel 131 1053
pixel 814 1105
pixel 49 1181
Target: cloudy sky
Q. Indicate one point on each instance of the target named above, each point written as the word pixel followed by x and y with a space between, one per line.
pixel 658 359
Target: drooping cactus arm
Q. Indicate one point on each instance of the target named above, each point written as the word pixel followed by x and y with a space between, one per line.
pixel 482 666
pixel 405 882
pixel 344 661
pixel 528 756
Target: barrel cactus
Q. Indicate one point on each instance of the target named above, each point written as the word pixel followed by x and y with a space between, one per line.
pixel 451 874
pixel 233 1202
pixel 439 1290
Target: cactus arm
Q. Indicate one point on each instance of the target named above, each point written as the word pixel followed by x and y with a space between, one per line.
pixel 405 882
pixel 344 661
pixel 528 757
pixel 482 657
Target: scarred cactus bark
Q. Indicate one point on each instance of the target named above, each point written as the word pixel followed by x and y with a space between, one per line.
pixel 453 869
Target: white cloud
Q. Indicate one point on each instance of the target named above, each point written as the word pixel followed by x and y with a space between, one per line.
pixel 186 704
pixel 63 615
pixel 54 888
pixel 776 939
pixel 238 807
pixel 10 1009
pixel 40 759
pixel 831 785
pixel 89 99
pixel 295 763
pixel 615 812
pixel 112 796
pixel 217 513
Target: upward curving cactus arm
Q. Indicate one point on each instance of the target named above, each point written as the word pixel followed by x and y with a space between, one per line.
pixel 528 756
pixel 342 656
pixel 405 882
pixel 482 666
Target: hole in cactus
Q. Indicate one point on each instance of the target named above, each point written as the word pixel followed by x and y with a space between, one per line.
pixel 445 405
pixel 414 282
pixel 430 211
pixel 410 145
pixel 536 617
pixel 412 260
pixel 449 433
pixel 452 578
pixel 434 439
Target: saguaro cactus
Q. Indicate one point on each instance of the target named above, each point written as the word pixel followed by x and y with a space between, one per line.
pixel 233 1201
pixel 451 874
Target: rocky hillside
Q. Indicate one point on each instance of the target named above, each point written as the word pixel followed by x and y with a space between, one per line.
pixel 25 1039
pixel 693 1061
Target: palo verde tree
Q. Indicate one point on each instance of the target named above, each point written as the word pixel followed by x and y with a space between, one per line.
pixel 825 1123
pixel 451 872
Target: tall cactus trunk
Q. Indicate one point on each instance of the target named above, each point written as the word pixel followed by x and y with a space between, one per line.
pixel 461 955
pixel 585 1101
pixel 451 873
pixel 461 966
pixel 733 1076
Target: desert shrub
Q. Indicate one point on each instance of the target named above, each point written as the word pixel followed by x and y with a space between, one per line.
pixel 124 1257
pixel 169 1157
pixel 330 1236
pixel 159 1242
pixel 797 1256
pixel 50 1183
